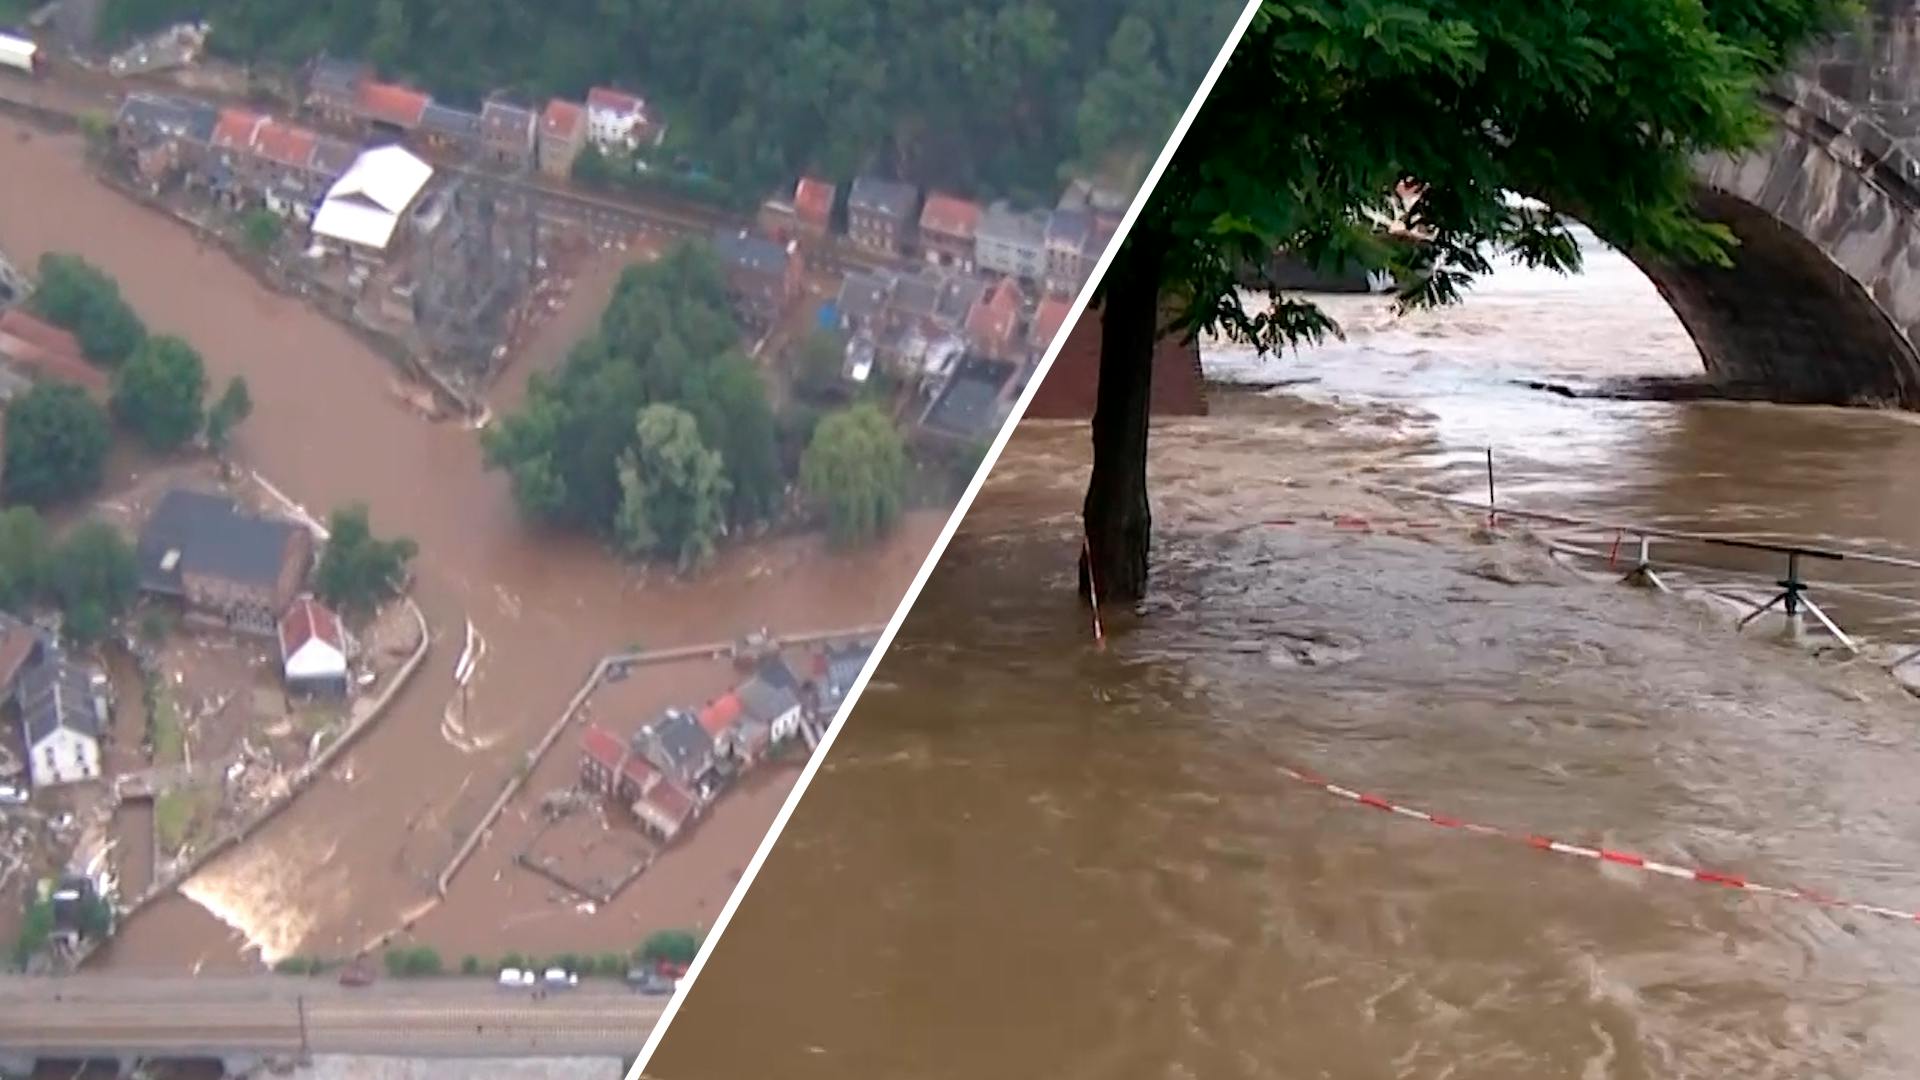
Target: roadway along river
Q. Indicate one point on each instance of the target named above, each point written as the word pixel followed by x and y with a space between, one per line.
pixel 354 855
pixel 1091 864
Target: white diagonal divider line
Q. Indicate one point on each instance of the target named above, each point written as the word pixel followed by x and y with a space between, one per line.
pixel 940 543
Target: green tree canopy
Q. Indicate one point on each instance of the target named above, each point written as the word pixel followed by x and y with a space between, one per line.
pixel 25 550
pixel 56 445
pixel 983 95
pixel 358 570
pixel 855 472
pixel 668 336
pixel 673 490
pixel 669 946
pixel 818 364
pixel 77 295
pixel 158 393
pixel 233 408
pixel 95 576
pixel 1329 109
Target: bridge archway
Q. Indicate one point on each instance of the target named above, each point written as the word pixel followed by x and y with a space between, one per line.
pixel 1822 302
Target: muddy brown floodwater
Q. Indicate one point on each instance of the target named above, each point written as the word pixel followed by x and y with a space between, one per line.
pixel 1027 856
pixel 361 848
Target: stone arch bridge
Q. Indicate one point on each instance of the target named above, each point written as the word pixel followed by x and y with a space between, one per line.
pixel 1822 302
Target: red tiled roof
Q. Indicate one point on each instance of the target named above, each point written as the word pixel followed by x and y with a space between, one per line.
pixel 720 714
pixel 813 200
pixel 47 352
pixel 562 119
pixel 640 771
pixel 38 332
pixel 950 215
pixel 307 620
pixel 391 104
pixel 234 130
pixel 602 746
pixel 285 144
pixel 668 798
pixel 1047 321
pixel 993 317
pixel 607 99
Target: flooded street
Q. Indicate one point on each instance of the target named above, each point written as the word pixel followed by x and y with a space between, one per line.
pixel 1097 857
pixel 361 849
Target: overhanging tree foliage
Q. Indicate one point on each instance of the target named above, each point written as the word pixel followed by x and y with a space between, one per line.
pixel 1329 109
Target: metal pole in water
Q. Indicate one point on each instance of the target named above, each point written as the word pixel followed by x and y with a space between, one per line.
pixel 1492 513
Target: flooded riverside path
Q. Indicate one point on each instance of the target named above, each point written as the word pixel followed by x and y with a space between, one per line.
pixel 1090 863
pixel 362 847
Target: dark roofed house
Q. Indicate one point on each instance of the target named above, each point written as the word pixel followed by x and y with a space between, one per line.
pixel 506 132
pixel 762 276
pixel 969 406
pixel 60 720
pixel 448 128
pixel 880 214
pixel 775 707
pixel 863 299
pixel 679 747
pixel 144 118
pixel 333 87
pixel 834 675
pixel 332 158
pixel 228 567
pixel 1068 232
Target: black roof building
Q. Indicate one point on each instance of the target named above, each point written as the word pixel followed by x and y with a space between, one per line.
pixel 192 532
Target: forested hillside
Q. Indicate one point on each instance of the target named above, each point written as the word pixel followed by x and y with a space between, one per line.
pixel 996 97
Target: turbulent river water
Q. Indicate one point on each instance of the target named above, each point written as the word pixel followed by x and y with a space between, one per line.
pixel 358 853
pixel 1029 856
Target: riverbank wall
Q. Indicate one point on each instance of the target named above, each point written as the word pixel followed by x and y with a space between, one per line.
pixel 174 877
pixel 513 785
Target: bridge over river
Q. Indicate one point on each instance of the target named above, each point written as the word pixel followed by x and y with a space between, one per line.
pixel 243 1020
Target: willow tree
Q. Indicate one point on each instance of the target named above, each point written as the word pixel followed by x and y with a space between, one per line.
pixel 1331 110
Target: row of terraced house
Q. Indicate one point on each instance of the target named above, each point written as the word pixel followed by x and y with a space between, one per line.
pixel 507 133
pixel 669 771
pixel 1053 251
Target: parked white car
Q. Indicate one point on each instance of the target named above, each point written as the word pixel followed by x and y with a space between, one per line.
pixel 561 977
pixel 12 796
pixel 514 978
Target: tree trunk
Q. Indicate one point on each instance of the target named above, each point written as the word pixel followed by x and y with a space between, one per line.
pixel 1118 520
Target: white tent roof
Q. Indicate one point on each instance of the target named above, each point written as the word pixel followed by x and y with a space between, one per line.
pixel 316 660
pixel 364 206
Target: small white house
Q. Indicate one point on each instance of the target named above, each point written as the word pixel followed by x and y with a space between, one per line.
pixel 313 649
pixel 60 717
pixel 616 120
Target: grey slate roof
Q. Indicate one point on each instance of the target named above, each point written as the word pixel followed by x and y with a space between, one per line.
pixel 968 405
pixel 1002 223
pixel 173 117
pixel 764 701
pixel 505 121
pixel 957 298
pixel 750 252
pixel 1069 229
pixel 863 295
pixel 677 745
pixel 775 671
pixel 918 296
pixel 335 78
pixel 843 667
pixel 437 119
pixel 215 538
pixel 55 694
pixel 887 198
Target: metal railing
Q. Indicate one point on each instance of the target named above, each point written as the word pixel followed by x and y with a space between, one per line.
pixel 1793 588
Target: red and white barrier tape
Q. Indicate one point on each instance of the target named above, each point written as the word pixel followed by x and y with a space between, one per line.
pixel 1600 854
